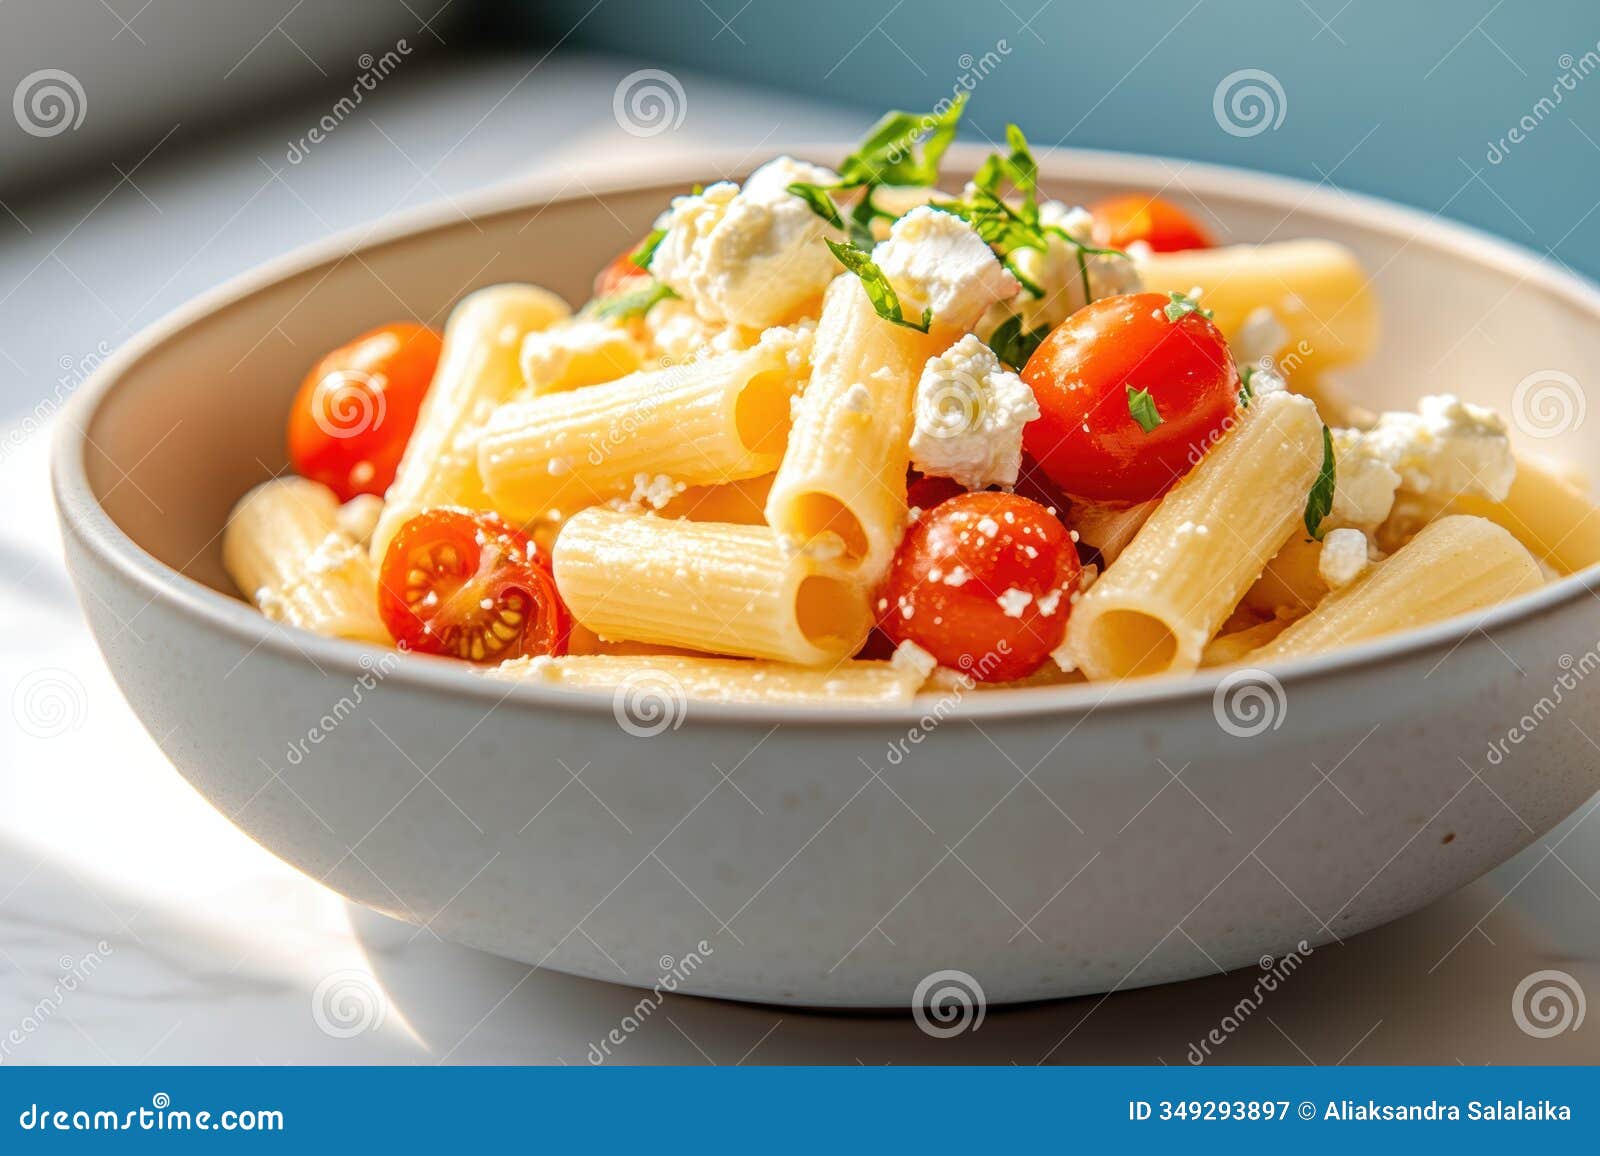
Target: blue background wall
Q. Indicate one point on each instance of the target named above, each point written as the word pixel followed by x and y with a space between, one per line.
pixel 1401 99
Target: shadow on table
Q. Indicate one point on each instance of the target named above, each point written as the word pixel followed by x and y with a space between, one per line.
pixel 1434 988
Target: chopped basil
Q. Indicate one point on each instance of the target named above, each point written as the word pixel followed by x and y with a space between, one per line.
pixel 882 295
pixel 1319 503
pixel 647 248
pixel 1182 305
pixel 1245 392
pixel 1013 344
pixel 633 303
pixel 1142 409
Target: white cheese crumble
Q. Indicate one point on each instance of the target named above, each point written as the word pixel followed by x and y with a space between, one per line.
pixel 1013 602
pixel 752 257
pixel 359 517
pixel 970 411
pixel 935 260
pixel 1261 336
pixel 857 399
pixel 913 659
pixel 1446 449
pixel 1343 557
pixel 577 354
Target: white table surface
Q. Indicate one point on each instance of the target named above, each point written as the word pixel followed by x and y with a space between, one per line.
pixel 203 948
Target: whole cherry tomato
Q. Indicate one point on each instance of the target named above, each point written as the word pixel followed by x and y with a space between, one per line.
pixel 468 585
pixel 355 411
pixel 983 582
pixel 1120 221
pixel 1132 391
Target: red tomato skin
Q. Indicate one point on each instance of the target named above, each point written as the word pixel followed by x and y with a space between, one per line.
pixel 1085 438
pixel 1134 217
pixel 354 412
pixel 496 560
pixel 988 536
pixel 925 491
pixel 618 273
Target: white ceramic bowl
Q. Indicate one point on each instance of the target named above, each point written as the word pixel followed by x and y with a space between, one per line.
pixel 1046 842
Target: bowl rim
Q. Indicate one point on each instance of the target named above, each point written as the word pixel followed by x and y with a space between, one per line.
pixel 83 517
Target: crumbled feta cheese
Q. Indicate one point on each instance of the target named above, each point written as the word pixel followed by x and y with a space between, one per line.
pixel 935 260
pixel 913 659
pixel 1056 270
pixel 1013 602
pixel 577 354
pixel 751 257
pixel 988 527
pixel 654 491
pixel 1047 603
pixel 857 400
pixel 1343 557
pixel 1261 335
pixel 1446 449
pixel 970 411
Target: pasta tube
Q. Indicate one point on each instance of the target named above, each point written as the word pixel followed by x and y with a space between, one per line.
pixel 844 472
pixel 704 422
pixel 655 687
pixel 285 552
pixel 706 586
pixel 478 368
pixel 1160 602
pixel 1317 291
pixel 1547 513
pixel 1453 566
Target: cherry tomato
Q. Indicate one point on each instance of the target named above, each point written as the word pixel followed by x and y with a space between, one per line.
pixel 471 586
pixel 925 491
pixel 1085 375
pixel 983 582
pixel 356 409
pixel 621 269
pixel 1120 221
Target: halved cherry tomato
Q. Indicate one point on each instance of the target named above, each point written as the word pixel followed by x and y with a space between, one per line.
pixel 1087 437
pixel 1120 221
pixel 469 585
pixel 984 583
pixel 356 409
pixel 621 269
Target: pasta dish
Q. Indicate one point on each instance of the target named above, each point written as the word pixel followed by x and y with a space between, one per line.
pixel 848 435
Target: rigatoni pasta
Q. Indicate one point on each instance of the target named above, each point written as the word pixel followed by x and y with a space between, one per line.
pixel 812 420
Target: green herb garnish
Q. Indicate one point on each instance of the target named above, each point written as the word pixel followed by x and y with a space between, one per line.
pixel 1245 391
pixel 1182 305
pixel 882 295
pixel 1013 344
pixel 1319 503
pixel 634 303
pixel 1142 408
pixel 641 256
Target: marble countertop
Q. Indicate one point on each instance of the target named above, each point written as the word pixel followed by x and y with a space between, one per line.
pixel 138 926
